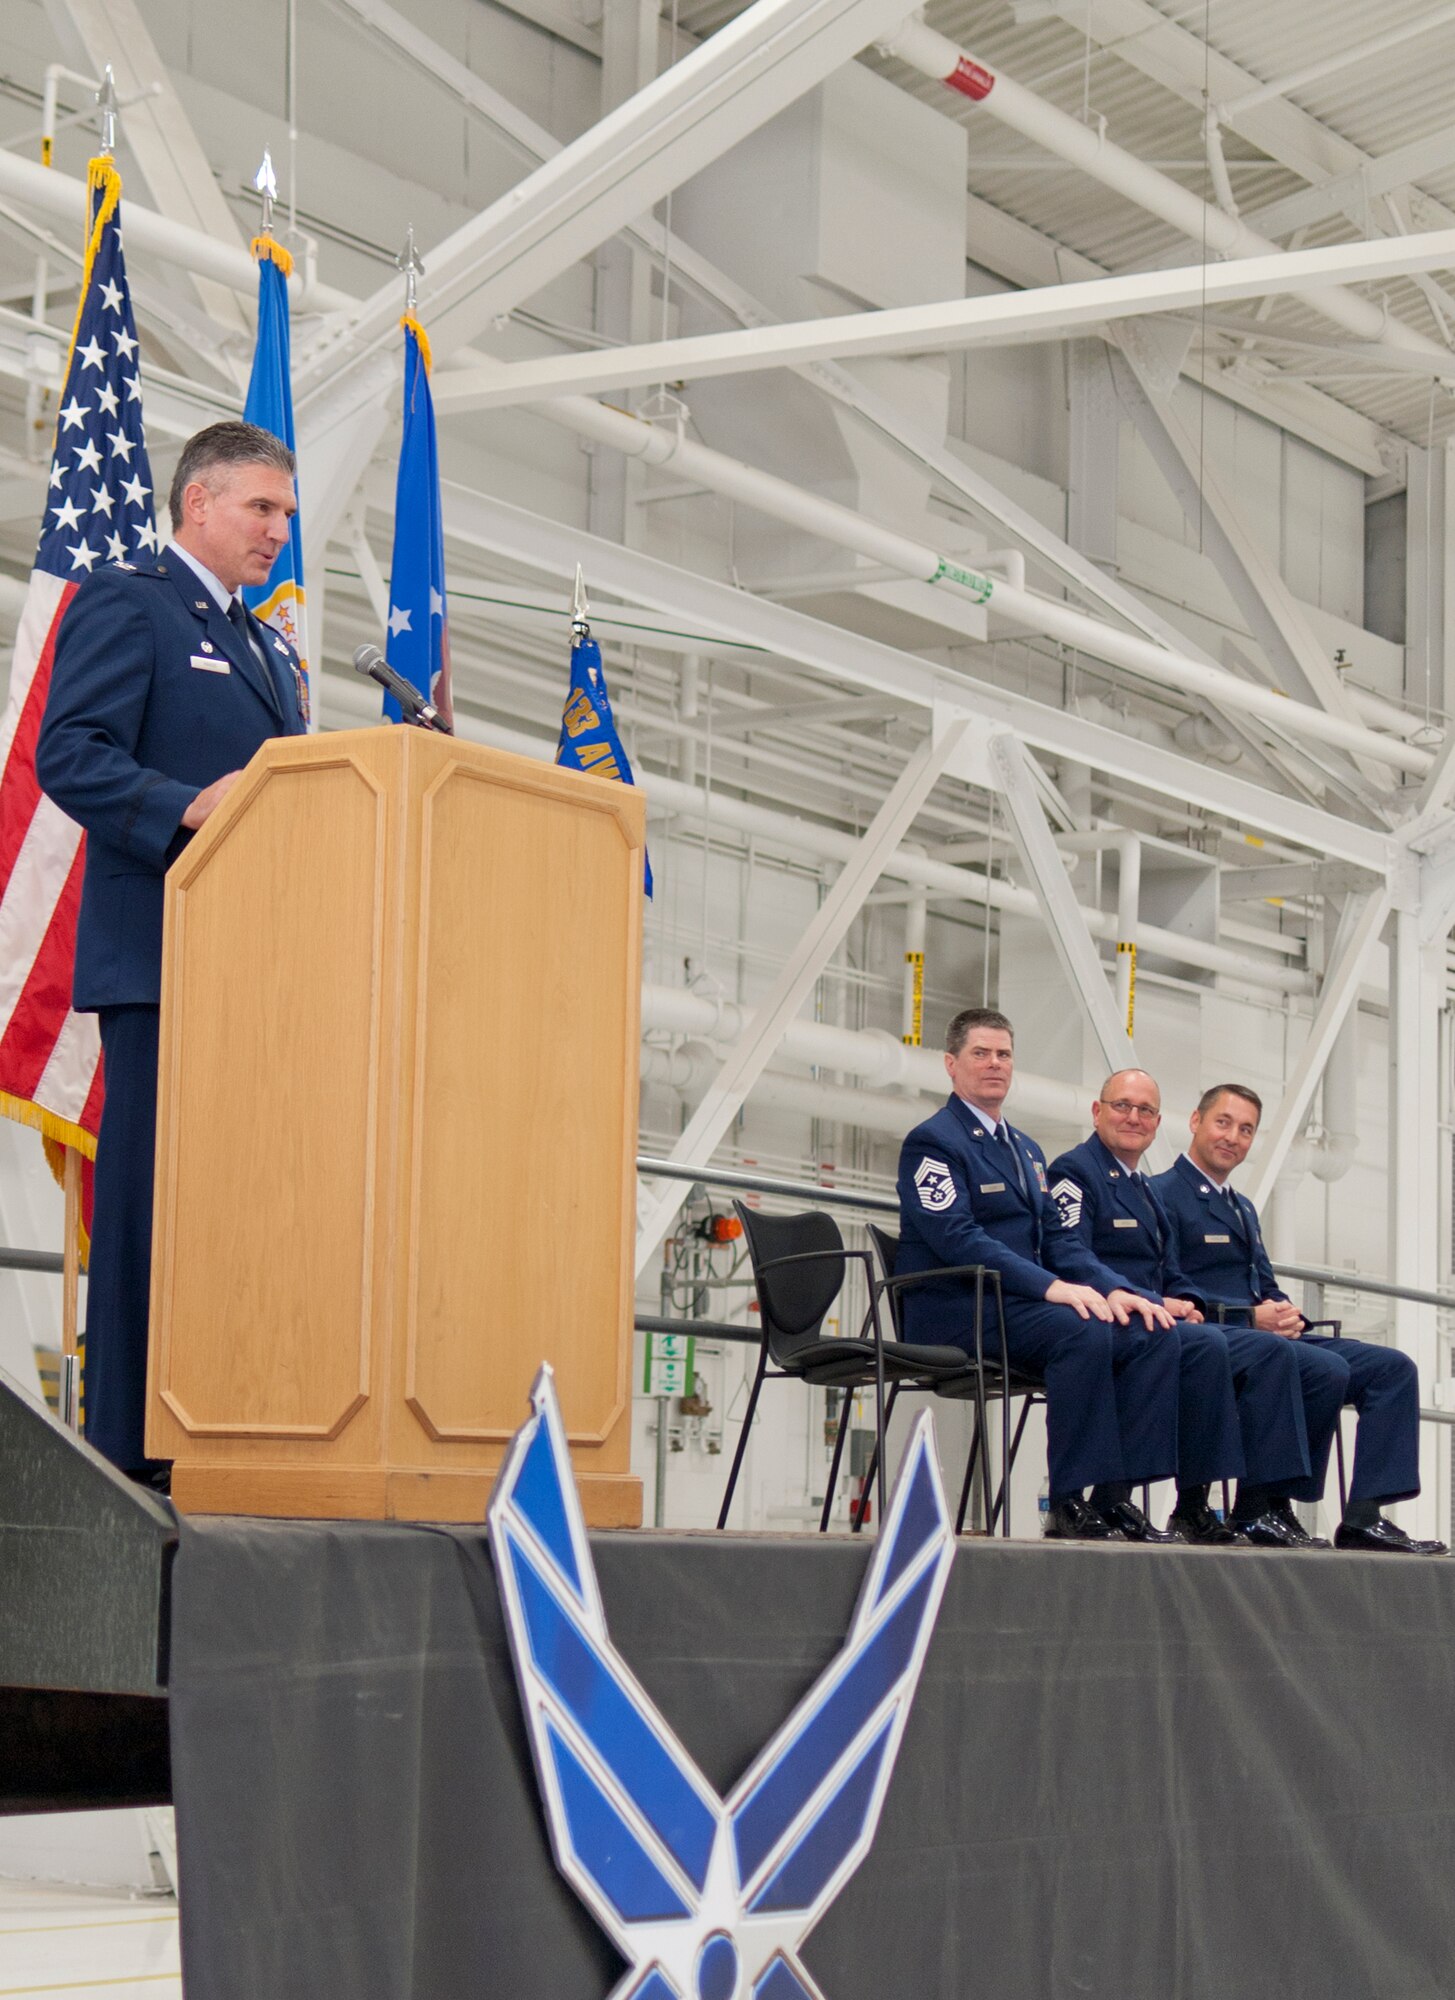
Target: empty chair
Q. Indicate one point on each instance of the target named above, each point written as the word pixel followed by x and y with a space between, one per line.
pixel 799 1266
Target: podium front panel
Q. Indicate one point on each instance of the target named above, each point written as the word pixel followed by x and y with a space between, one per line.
pixel 396 1130
pixel 522 1168
pixel 263 1295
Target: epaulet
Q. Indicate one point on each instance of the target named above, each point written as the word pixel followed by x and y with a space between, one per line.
pixel 134 569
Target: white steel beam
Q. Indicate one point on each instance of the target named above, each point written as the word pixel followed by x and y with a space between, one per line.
pixel 1217 232
pixel 174 406
pixel 1025 256
pixel 1048 314
pixel 1021 608
pixel 46 191
pixel 1360 928
pixel 1075 949
pixel 1143 37
pixel 547 546
pixel 1350 193
pixel 682 121
pixel 749 1056
pixel 160 137
pixel 1274 617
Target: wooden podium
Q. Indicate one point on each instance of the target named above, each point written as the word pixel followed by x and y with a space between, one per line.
pixel 396 1136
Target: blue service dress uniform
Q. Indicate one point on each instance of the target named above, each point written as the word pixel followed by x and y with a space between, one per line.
pixel 1220 1249
pixel 154 695
pixel 968 1197
pixel 1241 1409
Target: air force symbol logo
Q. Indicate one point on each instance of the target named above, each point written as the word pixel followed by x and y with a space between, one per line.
pixel 707 1898
pixel 936 1185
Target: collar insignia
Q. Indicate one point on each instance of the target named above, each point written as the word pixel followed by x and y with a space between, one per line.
pixel 707 1898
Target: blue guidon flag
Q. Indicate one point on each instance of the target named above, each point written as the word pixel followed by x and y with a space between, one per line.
pixel 280 601
pixel 588 739
pixel 706 1898
pixel 418 641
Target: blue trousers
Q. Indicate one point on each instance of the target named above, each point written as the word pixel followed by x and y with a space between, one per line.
pixel 1383 1385
pixel 118 1297
pixel 1268 1379
pixel 1209 1438
pixel 1111 1393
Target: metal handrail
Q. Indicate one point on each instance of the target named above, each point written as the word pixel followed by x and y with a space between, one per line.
pixel 735 1177
pixel 16 1259
pixel 30 1260
pixel 1351 1281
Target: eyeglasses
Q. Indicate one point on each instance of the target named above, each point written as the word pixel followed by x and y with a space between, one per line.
pixel 1124 1108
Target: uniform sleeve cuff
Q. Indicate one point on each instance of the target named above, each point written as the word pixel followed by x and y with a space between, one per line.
pixel 156 820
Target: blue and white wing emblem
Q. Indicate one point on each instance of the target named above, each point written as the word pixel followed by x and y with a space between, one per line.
pixel 707 1899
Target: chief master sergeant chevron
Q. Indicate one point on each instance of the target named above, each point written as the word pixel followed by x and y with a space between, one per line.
pixel 972 1190
pixel 163 687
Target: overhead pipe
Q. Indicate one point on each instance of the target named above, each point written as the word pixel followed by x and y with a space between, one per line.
pixel 875 1058
pixel 1222 233
pixel 348 697
pixel 63 197
pixel 701 465
pixel 691 1067
pixel 58 194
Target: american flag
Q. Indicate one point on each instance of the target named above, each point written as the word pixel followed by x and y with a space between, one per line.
pixel 98 510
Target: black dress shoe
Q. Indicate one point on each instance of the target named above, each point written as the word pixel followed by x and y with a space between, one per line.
pixel 1076 1521
pixel 1130 1522
pixel 1201 1525
pixel 1282 1510
pixel 1268 1531
pixel 1385 1536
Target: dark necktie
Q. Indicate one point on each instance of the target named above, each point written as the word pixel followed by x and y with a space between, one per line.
pixel 1002 1132
pixel 237 617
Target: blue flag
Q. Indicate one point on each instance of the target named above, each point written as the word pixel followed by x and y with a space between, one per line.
pixel 589 741
pixel 418 640
pixel 280 601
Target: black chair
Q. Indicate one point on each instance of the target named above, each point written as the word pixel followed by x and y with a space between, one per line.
pixel 982 1380
pixel 1225 1310
pixel 799 1266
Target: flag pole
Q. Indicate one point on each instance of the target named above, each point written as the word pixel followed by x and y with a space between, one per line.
pixel 70 1384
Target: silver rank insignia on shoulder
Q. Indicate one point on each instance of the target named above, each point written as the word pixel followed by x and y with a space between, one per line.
pixel 936 1185
pixel 1068 1196
pixel 279 647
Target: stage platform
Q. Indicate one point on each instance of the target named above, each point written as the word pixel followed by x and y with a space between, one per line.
pixel 1131 1774
pixel 1134 1774
pixel 85 1569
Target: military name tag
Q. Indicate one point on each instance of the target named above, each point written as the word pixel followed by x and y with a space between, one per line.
pixel 210 663
pixel 992 1187
pixel 1123 1222
pixel 1217 1239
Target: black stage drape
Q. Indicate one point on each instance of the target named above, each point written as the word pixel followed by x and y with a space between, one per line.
pixel 1130 1774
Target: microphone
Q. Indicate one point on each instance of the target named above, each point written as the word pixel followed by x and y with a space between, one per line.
pixel 371 663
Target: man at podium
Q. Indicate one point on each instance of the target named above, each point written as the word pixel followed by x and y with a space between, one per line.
pixel 164 685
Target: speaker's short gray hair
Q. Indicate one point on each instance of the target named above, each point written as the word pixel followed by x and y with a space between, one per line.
pixel 227 443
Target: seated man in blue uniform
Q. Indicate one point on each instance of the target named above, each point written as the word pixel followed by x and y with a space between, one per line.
pixel 972 1190
pixel 1240 1413
pixel 1220 1250
pixel 164 685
